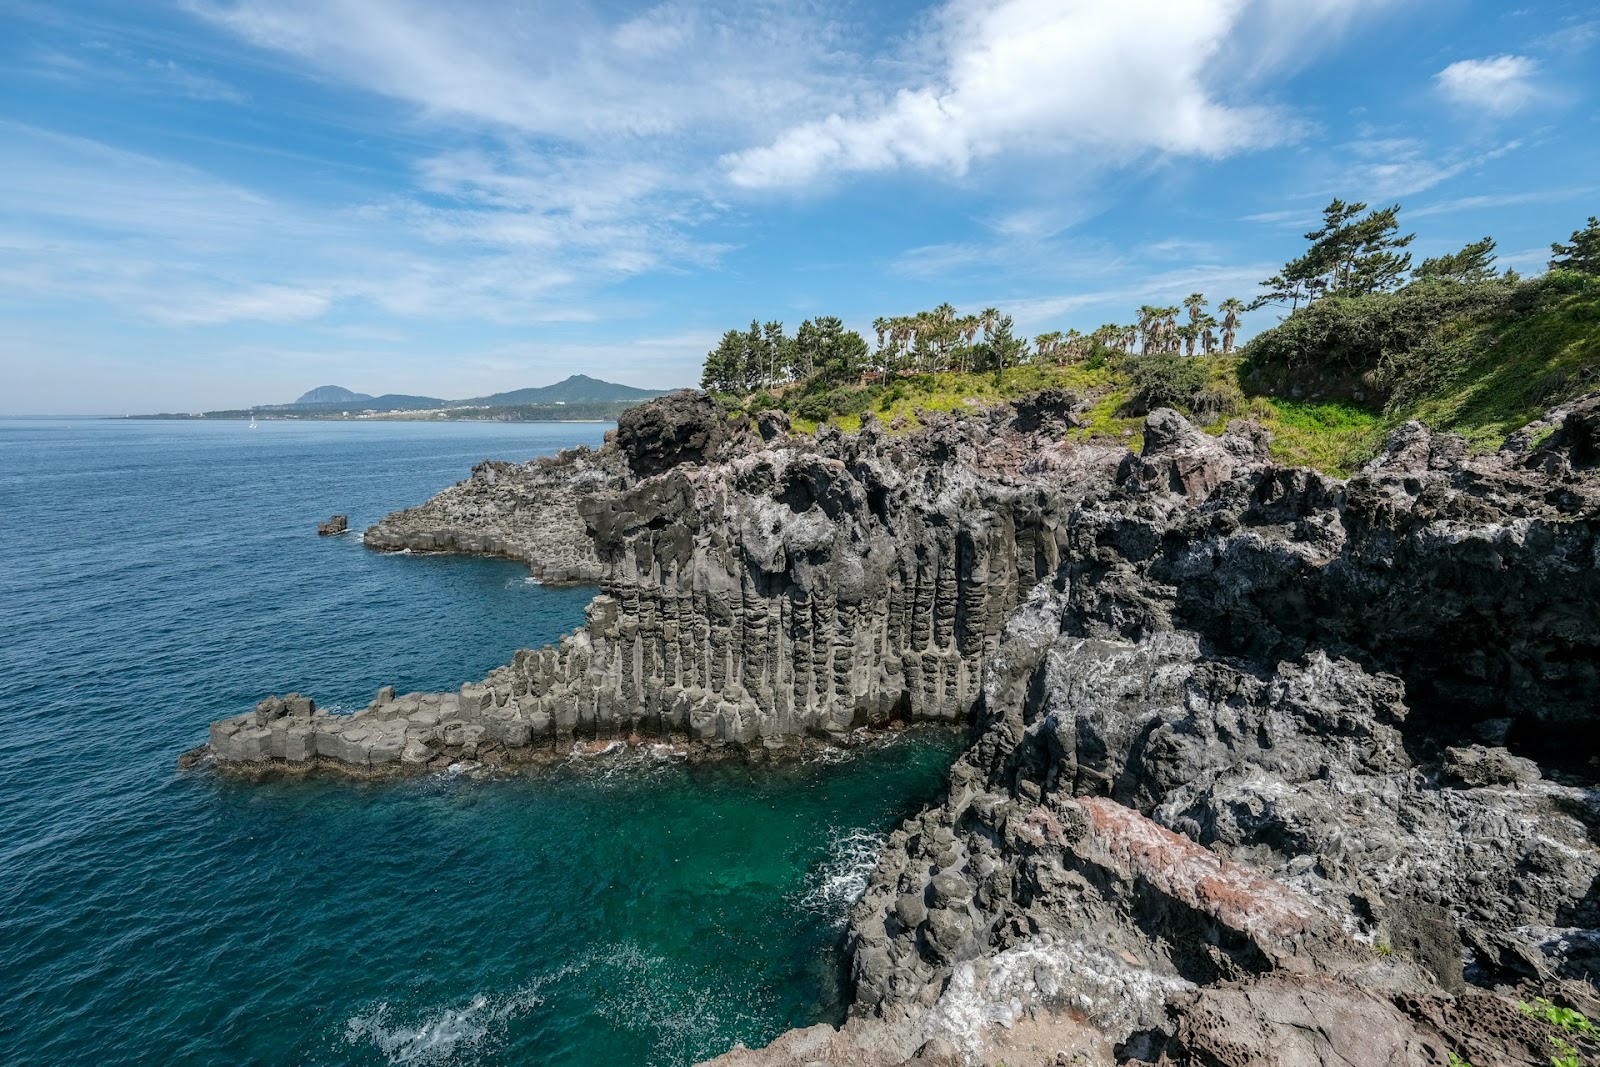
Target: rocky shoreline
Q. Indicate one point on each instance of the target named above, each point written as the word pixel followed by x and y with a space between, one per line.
pixel 521 511
pixel 1268 767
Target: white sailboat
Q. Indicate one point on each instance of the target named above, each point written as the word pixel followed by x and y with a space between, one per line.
pixel 253 425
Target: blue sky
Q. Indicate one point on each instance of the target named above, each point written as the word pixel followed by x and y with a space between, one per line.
pixel 215 203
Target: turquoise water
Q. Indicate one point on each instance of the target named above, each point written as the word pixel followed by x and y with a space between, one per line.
pixel 154 576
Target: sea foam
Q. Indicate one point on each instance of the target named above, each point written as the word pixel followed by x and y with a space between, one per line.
pixel 841 879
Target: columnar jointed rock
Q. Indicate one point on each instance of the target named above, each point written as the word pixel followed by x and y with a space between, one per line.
pixel 808 589
pixel 1234 720
pixel 526 511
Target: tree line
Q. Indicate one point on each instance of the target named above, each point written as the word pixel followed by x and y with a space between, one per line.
pixel 1355 254
pixel 1356 251
pixel 945 340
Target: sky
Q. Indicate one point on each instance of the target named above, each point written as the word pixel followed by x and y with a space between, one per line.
pixel 217 203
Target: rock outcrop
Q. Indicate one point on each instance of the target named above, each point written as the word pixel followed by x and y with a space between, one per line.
pixel 525 511
pixel 1258 754
pixel 681 427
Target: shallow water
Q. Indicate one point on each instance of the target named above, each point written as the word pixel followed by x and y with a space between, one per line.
pixel 155 576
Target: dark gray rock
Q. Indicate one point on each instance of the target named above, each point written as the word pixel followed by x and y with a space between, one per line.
pixel 681 427
pixel 1048 411
pixel 524 511
pixel 772 424
pixel 1288 1021
pixel 1231 720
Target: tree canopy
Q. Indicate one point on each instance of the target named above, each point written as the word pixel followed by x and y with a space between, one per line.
pixel 1474 263
pixel 1350 253
pixel 1582 253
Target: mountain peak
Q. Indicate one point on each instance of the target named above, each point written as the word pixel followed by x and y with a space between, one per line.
pixel 332 394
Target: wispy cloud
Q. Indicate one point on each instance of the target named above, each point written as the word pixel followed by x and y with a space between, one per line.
pixel 1500 201
pixel 1500 85
pixel 103 64
pixel 1387 167
pixel 1119 302
pixel 568 70
pixel 1099 82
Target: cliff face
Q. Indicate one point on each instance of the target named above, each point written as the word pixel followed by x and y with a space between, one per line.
pixel 801 588
pixel 807 589
pixel 1241 732
pixel 1241 791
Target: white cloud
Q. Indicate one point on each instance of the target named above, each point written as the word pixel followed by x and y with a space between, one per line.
pixel 1390 167
pixel 254 303
pixel 561 69
pixel 1500 85
pixel 1092 81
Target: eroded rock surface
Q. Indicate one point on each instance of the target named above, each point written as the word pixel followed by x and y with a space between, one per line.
pixel 526 511
pixel 1250 744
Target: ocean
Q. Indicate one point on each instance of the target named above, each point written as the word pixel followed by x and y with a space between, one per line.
pixel 157 575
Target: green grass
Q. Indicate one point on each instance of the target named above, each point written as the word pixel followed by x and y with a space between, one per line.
pixel 1332 435
pixel 902 398
pixel 1482 373
pixel 1507 370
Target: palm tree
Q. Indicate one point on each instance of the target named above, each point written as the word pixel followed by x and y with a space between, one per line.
pixel 1196 305
pixel 1208 334
pixel 1046 345
pixel 1165 328
pixel 1072 347
pixel 1230 309
pixel 1149 328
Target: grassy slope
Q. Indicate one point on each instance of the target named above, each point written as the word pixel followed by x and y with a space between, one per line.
pixel 1512 369
pixel 1494 375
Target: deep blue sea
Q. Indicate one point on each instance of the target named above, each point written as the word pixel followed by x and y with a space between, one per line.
pixel 157 575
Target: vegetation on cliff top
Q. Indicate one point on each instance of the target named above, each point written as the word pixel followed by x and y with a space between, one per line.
pixel 1363 347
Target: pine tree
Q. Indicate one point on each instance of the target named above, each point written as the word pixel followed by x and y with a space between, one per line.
pixel 1583 254
pixel 723 372
pixel 1474 263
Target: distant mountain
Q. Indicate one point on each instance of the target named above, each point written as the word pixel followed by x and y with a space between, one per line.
pixel 578 389
pixel 403 402
pixel 579 397
pixel 355 402
pixel 329 394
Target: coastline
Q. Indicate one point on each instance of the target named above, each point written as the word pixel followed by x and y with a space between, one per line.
pixel 398 417
pixel 1151 645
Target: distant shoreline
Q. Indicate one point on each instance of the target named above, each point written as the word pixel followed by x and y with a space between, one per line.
pixel 397 417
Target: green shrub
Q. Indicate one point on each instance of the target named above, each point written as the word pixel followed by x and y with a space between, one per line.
pixel 1164 382
pixel 1343 346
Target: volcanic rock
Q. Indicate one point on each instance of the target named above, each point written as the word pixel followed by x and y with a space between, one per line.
pixel 1260 759
pixel 681 427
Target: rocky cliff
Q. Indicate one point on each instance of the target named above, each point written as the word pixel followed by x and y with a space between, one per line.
pixel 1262 759
pixel 524 511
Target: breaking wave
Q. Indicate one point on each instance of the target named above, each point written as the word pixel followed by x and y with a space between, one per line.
pixel 437 1036
pixel 838 882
